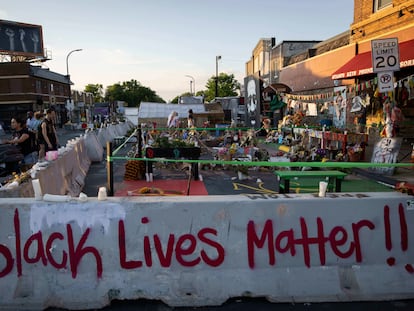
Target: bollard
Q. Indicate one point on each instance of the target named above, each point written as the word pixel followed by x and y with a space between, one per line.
pixel 139 139
pixel 109 169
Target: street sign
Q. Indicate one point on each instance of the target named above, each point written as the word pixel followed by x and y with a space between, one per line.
pixel 385 81
pixel 385 55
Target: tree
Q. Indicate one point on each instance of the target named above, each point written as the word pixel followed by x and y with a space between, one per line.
pixel 96 90
pixel 131 92
pixel 227 86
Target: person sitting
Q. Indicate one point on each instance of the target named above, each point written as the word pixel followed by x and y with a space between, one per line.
pixel 24 140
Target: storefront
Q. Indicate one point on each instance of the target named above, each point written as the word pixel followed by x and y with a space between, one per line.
pixel 366 89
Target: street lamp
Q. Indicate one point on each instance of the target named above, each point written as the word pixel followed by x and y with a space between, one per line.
pixel 68 77
pixel 192 82
pixel 67 61
pixel 218 57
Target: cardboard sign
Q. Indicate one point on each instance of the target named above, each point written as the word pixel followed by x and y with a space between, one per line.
pixel 386 151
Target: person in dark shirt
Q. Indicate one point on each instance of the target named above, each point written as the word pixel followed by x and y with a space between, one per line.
pixel 190 119
pixel 22 138
pixel 47 136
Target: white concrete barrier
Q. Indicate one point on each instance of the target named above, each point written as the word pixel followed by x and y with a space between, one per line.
pixel 94 149
pixel 111 131
pixel 64 175
pixel 194 251
pixel 102 136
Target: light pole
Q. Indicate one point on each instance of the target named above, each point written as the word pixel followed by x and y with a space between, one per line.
pixel 192 82
pixel 218 57
pixel 67 61
pixel 68 77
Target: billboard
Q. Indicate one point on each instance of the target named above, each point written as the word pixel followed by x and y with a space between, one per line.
pixel 20 39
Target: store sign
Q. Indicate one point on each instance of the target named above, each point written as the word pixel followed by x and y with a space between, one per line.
pixel 385 55
pixel 385 81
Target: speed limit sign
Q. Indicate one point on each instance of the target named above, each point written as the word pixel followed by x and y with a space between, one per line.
pixel 385 55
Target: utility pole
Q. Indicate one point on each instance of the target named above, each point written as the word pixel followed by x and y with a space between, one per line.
pixel 217 59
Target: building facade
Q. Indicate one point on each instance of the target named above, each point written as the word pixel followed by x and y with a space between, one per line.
pixel 24 87
pixel 343 63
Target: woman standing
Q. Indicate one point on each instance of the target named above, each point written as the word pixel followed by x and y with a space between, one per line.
pixel 190 119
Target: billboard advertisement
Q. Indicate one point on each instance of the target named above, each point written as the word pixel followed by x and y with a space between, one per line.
pixel 20 39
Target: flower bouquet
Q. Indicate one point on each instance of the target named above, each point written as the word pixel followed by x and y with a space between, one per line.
pixel 355 153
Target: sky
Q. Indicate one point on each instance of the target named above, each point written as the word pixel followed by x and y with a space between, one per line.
pixel 160 43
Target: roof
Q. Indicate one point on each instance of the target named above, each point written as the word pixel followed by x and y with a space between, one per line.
pixel 160 110
pixel 361 64
pixel 47 74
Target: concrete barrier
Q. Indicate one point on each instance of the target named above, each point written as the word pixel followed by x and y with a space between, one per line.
pixel 64 175
pixel 111 131
pixel 198 251
pixel 93 147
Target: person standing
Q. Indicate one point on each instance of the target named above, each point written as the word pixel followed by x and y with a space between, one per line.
pixel 34 125
pixel 173 120
pixel 47 136
pixel 190 119
pixel 30 119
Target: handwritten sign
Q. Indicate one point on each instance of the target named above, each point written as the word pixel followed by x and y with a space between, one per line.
pixel 386 151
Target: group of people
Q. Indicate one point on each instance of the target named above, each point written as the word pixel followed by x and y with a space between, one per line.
pixel 33 136
pixel 173 120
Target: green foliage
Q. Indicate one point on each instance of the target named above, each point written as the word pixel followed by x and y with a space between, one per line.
pixel 96 90
pixel 131 92
pixel 175 100
pixel 164 142
pixel 227 86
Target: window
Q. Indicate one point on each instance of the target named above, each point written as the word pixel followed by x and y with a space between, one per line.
pixel 380 4
pixel 38 86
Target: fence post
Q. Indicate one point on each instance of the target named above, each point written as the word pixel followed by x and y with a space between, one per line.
pixel 109 169
pixel 139 139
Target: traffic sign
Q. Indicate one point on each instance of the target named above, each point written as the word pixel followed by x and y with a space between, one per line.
pixel 385 55
pixel 385 81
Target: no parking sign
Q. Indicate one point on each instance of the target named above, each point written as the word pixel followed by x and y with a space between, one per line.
pixel 385 81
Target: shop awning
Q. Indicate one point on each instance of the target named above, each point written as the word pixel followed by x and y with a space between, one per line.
pixel 361 64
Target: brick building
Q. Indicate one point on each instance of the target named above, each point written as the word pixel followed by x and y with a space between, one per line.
pixel 345 60
pixel 25 87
